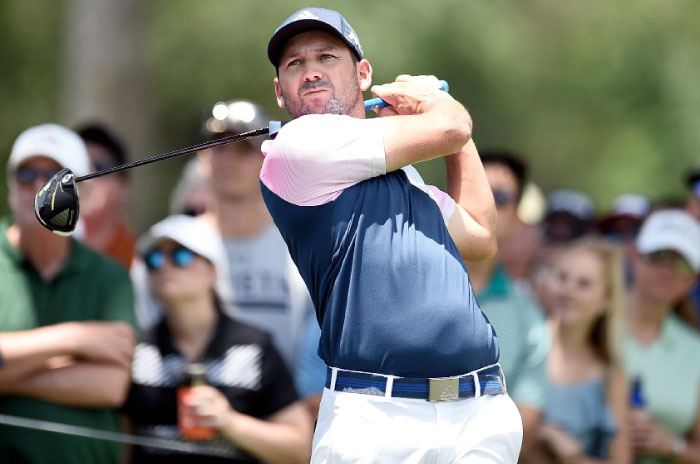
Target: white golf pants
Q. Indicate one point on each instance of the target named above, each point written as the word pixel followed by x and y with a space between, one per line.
pixel 357 428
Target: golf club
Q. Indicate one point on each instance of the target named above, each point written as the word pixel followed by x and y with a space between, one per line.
pixel 56 204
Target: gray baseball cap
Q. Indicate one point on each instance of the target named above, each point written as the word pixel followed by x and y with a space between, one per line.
pixel 235 117
pixel 572 202
pixel 309 19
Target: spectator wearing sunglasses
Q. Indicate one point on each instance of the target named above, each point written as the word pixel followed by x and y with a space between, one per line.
pixel 191 195
pixel 104 210
pixel 264 286
pixel 519 246
pixel 66 317
pixel 249 398
pixel 660 349
pixel 522 333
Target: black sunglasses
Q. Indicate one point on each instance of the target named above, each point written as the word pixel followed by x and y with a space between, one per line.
pixel 28 175
pixel 502 198
pixel 680 265
pixel 179 256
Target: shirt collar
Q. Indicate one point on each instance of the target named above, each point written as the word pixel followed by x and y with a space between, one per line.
pixel 7 248
pixel 75 259
pixel 665 340
pixel 498 285
pixel 216 347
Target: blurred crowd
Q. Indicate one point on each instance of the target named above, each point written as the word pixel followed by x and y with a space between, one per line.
pixel 202 331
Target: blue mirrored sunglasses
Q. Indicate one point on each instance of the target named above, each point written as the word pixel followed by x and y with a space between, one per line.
pixel 179 256
pixel 30 175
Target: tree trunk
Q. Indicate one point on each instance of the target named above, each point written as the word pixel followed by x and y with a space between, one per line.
pixel 105 79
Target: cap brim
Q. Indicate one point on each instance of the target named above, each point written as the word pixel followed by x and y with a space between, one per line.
pixel 163 231
pixel 148 241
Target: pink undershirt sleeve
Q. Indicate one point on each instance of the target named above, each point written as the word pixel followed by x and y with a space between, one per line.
pixel 445 203
pixel 443 200
pixel 315 157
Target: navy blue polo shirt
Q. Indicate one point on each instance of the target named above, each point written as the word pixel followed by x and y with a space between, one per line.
pixel 391 292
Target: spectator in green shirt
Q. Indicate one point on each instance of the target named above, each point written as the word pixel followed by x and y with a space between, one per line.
pixel 660 349
pixel 522 334
pixel 66 317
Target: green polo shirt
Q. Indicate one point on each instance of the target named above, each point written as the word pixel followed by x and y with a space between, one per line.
pixel 89 287
pixel 523 338
pixel 669 371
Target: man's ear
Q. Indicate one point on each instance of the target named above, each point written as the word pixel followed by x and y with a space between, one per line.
pixel 364 74
pixel 278 93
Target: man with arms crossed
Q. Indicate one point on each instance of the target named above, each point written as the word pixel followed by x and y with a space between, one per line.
pixel 66 317
pixel 413 374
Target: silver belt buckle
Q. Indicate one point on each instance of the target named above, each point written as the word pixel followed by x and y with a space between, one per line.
pixel 446 389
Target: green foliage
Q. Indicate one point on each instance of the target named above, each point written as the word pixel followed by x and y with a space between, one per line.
pixel 597 95
pixel 29 63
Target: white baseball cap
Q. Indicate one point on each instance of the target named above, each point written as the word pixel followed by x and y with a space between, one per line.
pixel 631 204
pixel 51 141
pixel 671 229
pixel 197 235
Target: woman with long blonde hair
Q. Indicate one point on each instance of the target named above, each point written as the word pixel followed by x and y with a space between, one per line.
pixel 584 419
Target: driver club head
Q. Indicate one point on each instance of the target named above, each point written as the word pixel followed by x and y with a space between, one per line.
pixel 56 204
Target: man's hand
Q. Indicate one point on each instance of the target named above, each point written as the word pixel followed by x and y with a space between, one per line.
pixel 102 341
pixel 210 407
pixel 431 123
pixel 409 95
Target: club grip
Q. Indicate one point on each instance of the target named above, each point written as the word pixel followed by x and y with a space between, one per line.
pixel 275 127
pixel 376 103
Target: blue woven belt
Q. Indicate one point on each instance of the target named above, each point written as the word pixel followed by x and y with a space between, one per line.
pixel 491 382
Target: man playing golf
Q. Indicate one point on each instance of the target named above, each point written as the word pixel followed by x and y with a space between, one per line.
pixel 413 373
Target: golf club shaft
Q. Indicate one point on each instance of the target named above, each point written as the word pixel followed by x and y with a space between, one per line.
pixel 174 153
pixel 370 105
